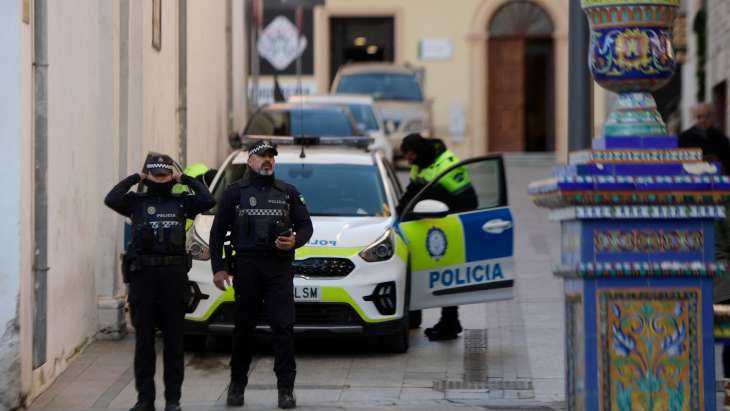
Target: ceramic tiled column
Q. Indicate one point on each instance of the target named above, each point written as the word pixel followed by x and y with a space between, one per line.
pixel 637 217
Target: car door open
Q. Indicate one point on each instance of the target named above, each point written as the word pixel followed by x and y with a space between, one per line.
pixel 461 254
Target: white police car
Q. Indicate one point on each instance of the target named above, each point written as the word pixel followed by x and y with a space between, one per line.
pixel 365 267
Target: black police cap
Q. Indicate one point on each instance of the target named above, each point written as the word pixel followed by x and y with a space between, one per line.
pixel 261 146
pixel 158 164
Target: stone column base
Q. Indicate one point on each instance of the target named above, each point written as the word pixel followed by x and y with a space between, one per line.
pixel 111 321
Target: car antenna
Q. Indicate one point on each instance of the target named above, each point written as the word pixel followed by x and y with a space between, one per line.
pixel 300 18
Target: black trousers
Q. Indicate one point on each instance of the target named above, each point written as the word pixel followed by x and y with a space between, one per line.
pixel 157 298
pixel 267 284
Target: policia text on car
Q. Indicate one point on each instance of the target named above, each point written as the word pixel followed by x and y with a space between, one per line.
pixel 156 266
pixel 268 220
pixel 429 158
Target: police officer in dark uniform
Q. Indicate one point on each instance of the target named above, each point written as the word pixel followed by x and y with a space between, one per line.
pixel 268 220
pixel 429 158
pixel 156 266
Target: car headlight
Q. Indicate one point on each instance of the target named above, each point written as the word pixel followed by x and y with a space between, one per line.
pixel 381 250
pixel 414 126
pixel 196 246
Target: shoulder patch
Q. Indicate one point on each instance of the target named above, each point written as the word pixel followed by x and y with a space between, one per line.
pixel 301 198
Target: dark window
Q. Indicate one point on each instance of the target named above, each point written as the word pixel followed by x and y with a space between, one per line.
pixel 337 189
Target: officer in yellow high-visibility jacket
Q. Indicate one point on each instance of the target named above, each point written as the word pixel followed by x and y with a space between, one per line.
pixel 429 158
pixel 198 171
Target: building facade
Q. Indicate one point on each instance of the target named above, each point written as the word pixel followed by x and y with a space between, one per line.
pixel 496 71
pixel 89 88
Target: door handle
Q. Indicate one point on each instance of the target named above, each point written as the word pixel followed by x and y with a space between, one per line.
pixel 496 226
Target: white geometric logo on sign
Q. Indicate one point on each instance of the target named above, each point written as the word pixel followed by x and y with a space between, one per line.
pixel 278 43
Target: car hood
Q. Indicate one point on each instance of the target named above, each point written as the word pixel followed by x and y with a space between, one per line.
pixel 398 110
pixel 328 231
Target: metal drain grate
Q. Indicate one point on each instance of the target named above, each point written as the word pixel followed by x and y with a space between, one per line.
pixel 475 355
pixel 496 385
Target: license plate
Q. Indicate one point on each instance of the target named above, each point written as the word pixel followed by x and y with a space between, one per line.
pixel 302 293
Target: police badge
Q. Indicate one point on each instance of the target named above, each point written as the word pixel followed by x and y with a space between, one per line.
pixel 252 201
pixel 436 243
pixel 151 210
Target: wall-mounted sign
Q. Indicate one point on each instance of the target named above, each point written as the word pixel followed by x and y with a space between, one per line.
pixel 435 49
pixel 457 123
pixel 280 43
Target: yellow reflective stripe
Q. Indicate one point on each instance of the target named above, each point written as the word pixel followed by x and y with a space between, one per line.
pixel 339 295
pixel 329 294
pixel 418 233
pixel 305 252
pixel 401 248
pixel 226 297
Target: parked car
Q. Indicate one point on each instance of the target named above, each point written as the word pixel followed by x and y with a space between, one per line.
pixel 365 268
pixel 362 108
pixel 398 95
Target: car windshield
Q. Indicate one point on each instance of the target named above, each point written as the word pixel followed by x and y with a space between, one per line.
pixel 364 116
pixel 334 190
pixel 306 122
pixel 382 86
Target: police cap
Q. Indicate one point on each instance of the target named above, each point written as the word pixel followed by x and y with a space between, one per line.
pixel 261 146
pixel 158 164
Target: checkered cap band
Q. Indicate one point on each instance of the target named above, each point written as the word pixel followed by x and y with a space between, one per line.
pixel 263 212
pixel 262 147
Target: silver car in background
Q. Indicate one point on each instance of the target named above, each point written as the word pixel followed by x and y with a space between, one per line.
pixel 398 95
pixel 363 111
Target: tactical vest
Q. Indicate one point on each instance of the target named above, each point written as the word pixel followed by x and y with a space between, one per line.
pixel 454 182
pixel 158 226
pixel 261 216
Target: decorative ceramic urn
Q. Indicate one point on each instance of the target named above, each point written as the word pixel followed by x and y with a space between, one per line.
pixel 637 217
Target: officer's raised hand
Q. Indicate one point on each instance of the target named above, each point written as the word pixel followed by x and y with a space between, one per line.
pixel 222 280
pixel 286 242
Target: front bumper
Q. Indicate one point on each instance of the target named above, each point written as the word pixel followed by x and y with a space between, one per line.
pixel 368 300
pixel 311 319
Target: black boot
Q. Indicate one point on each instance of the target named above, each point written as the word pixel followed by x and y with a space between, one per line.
pixel 286 398
pixel 173 406
pixel 445 329
pixel 235 394
pixel 142 405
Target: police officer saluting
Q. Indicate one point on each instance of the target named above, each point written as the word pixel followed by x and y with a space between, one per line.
pixel 156 267
pixel 268 221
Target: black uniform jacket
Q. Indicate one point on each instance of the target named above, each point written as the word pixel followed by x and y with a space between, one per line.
pixel 226 216
pixel 121 200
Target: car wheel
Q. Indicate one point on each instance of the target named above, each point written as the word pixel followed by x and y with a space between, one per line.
pixel 397 343
pixel 415 319
pixel 195 342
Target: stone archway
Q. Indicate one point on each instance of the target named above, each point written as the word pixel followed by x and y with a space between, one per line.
pixel 521 79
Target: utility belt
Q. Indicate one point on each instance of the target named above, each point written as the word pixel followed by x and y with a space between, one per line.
pixel 240 256
pixel 132 263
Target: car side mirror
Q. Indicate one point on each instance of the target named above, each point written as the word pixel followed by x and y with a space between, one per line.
pixel 234 140
pixel 430 209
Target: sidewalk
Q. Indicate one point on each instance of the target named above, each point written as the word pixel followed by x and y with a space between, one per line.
pixel 510 355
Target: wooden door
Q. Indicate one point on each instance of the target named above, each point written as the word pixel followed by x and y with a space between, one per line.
pixel 506 112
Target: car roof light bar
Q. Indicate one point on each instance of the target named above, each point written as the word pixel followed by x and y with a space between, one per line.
pixel 353 141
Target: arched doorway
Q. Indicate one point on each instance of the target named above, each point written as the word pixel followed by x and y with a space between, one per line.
pixel 521 85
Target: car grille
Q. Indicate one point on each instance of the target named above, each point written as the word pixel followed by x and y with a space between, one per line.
pixel 306 314
pixel 323 267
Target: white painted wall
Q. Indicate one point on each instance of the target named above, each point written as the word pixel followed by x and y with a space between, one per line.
pixel 10 208
pixel 84 146
pixel 207 88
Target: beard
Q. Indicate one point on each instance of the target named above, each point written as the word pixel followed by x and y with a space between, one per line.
pixel 265 170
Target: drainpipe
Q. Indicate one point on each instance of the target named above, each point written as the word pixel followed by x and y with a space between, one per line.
pixel 182 84
pixel 229 66
pixel 40 185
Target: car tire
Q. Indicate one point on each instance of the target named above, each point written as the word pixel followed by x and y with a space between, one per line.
pixel 414 319
pixel 397 343
pixel 195 342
